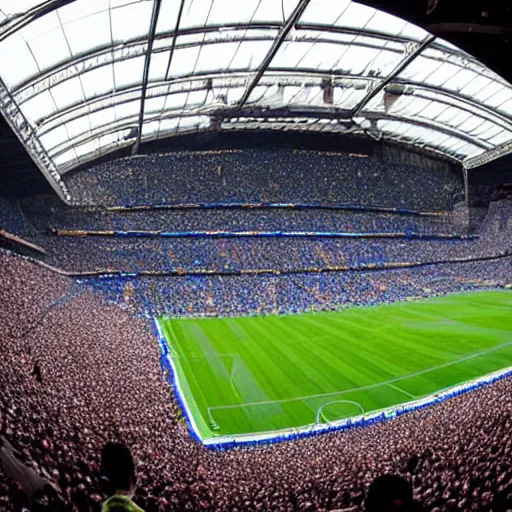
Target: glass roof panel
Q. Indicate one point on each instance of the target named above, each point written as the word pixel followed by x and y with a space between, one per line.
pixel 183 61
pixel 78 127
pixel 46 40
pixel 507 107
pixel 99 81
pixel 76 11
pixel 158 66
pixel 224 12
pixel 16 61
pixel 68 93
pixel 317 13
pixel 271 11
pixel 458 75
pixel 87 148
pixel 39 107
pixel 78 33
pixel 250 55
pixel 425 136
pixel 470 124
pixel 501 138
pixel 167 17
pixel 11 8
pixel 347 59
pixel 499 99
pixel 355 16
pixel 215 56
pixel 419 69
pixel 127 110
pixel 348 97
pixel 486 131
pixel 153 105
pixel 195 13
pixel 65 158
pixel 131 21
pixel 176 101
pixel 102 117
pixel 128 72
pixel 386 21
pixel 79 69
pixel 475 85
pixel 52 139
pixel 488 92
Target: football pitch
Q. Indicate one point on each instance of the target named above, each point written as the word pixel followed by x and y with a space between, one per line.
pixel 252 375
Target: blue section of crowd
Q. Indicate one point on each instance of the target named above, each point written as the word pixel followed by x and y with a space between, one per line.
pixel 266 176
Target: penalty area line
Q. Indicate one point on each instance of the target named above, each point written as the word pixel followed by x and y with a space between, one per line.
pixel 402 391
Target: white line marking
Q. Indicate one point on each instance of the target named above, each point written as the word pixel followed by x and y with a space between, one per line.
pixel 370 386
pixel 402 390
pixel 319 413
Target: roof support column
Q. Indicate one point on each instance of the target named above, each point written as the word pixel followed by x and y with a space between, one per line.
pixel 285 29
pixel 145 76
pixel 466 185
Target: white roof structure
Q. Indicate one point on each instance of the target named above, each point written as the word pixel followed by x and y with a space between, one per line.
pixel 82 78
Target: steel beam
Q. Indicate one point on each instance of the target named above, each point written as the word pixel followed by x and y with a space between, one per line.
pixel 371 94
pixel 107 50
pixel 285 30
pixel 145 76
pixel 489 156
pixel 344 116
pixel 465 99
pixel 102 53
pixel 452 132
pixel 17 23
pixel 464 105
pixel 289 79
pixel 25 133
pixel 173 45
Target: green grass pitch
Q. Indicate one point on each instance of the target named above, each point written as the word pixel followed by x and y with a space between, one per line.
pixel 250 375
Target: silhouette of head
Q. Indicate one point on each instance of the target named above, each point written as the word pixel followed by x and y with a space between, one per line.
pixel 117 462
pixel 389 493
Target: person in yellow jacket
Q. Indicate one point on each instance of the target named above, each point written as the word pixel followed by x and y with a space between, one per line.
pixel 118 465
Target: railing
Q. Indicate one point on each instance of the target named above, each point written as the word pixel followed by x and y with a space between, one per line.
pixel 409 235
pixel 17 240
pixel 275 206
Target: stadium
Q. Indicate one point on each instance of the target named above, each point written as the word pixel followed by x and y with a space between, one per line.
pixel 266 245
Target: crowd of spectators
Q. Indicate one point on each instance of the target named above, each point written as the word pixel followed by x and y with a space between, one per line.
pixel 244 219
pixel 192 254
pixel 266 175
pixel 270 294
pixel 80 363
pixel 132 254
pixel 78 371
pixel 251 176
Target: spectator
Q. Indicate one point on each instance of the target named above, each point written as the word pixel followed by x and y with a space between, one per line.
pixel 118 465
pixel 390 493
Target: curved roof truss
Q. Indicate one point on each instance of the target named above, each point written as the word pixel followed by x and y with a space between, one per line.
pixel 81 78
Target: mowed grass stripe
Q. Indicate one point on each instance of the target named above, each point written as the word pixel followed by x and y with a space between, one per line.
pixel 256 374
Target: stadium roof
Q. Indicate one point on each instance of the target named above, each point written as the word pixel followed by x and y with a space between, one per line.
pixel 82 78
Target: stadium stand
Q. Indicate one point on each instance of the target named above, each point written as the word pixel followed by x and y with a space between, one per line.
pixel 249 159
pixel 101 380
